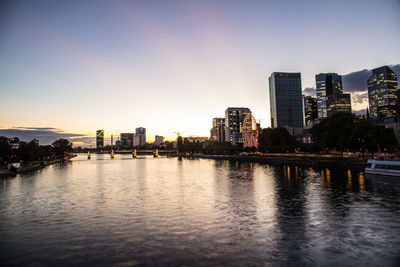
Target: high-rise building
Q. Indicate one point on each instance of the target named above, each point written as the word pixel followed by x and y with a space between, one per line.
pixel 141 132
pixel 218 130
pixel 158 140
pixel 310 109
pixel 127 140
pixel 286 100
pixel 234 118
pixel 137 140
pixel 383 93
pixel 328 84
pixel 99 139
pixel 338 103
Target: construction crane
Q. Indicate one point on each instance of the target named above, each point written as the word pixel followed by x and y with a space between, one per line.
pixel 178 133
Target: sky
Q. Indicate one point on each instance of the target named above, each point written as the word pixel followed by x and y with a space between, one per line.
pixel 72 67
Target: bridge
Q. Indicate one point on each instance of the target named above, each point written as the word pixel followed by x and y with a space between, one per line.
pixel 138 151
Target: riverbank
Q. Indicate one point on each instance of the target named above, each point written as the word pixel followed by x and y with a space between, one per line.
pixel 33 167
pixel 290 159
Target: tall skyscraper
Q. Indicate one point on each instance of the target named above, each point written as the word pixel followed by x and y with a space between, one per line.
pixel 141 132
pixel 127 140
pixel 99 139
pixel 383 93
pixel 286 100
pixel 310 109
pixel 328 84
pixel 234 118
pixel 218 130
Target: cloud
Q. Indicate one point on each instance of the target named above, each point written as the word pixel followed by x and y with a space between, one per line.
pixel 84 141
pixel 45 135
pixel 309 91
pixel 357 81
pixel 359 97
pixel 356 84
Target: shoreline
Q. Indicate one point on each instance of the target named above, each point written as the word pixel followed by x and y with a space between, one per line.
pixel 8 173
pixel 289 160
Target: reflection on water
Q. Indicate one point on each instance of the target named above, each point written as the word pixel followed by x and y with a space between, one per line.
pixel 165 211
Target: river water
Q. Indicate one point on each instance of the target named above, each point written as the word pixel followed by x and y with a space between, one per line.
pixel 167 211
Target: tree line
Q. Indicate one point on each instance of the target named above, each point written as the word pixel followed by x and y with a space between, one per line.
pixel 32 151
pixel 347 132
pixel 341 132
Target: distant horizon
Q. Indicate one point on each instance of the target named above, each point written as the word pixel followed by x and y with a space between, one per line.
pixel 88 140
pixel 70 68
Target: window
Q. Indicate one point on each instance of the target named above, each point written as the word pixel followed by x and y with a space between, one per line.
pixel 388 167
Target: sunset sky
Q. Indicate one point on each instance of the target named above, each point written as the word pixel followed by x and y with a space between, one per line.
pixel 79 66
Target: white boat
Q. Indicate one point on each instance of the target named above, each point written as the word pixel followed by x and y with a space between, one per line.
pixel 383 167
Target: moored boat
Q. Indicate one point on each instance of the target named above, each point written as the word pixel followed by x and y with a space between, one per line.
pixel 383 167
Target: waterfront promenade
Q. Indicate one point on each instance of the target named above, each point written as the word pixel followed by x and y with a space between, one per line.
pixel 32 166
pixel 309 160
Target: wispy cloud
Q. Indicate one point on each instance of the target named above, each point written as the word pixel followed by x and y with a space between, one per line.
pixel 357 81
pixel 356 84
pixel 45 135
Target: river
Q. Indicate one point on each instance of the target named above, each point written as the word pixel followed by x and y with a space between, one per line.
pixel 166 211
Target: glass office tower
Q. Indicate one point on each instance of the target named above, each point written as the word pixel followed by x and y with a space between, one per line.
pixel 286 101
pixel 310 109
pixel 383 93
pixel 338 103
pixel 328 84
pixel 99 139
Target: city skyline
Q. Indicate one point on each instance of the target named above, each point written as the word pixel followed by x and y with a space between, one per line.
pixel 172 67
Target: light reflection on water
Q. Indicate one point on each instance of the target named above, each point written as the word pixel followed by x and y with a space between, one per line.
pixel 200 212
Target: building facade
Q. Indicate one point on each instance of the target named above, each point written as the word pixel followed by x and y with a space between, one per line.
pixel 137 140
pixel 338 103
pixel 234 118
pixel 126 140
pixel 141 133
pixel 99 139
pixel 383 93
pixel 158 140
pixel 286 100
pixel 218 130
pixel 310 109
pixel 327 84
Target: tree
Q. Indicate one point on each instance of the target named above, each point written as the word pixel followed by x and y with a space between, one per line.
pixel 361 137
pixel 62 146
pixel 5 150
pixel 333 132
pixel 385 139
pixel 276 140
pixel 344 131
